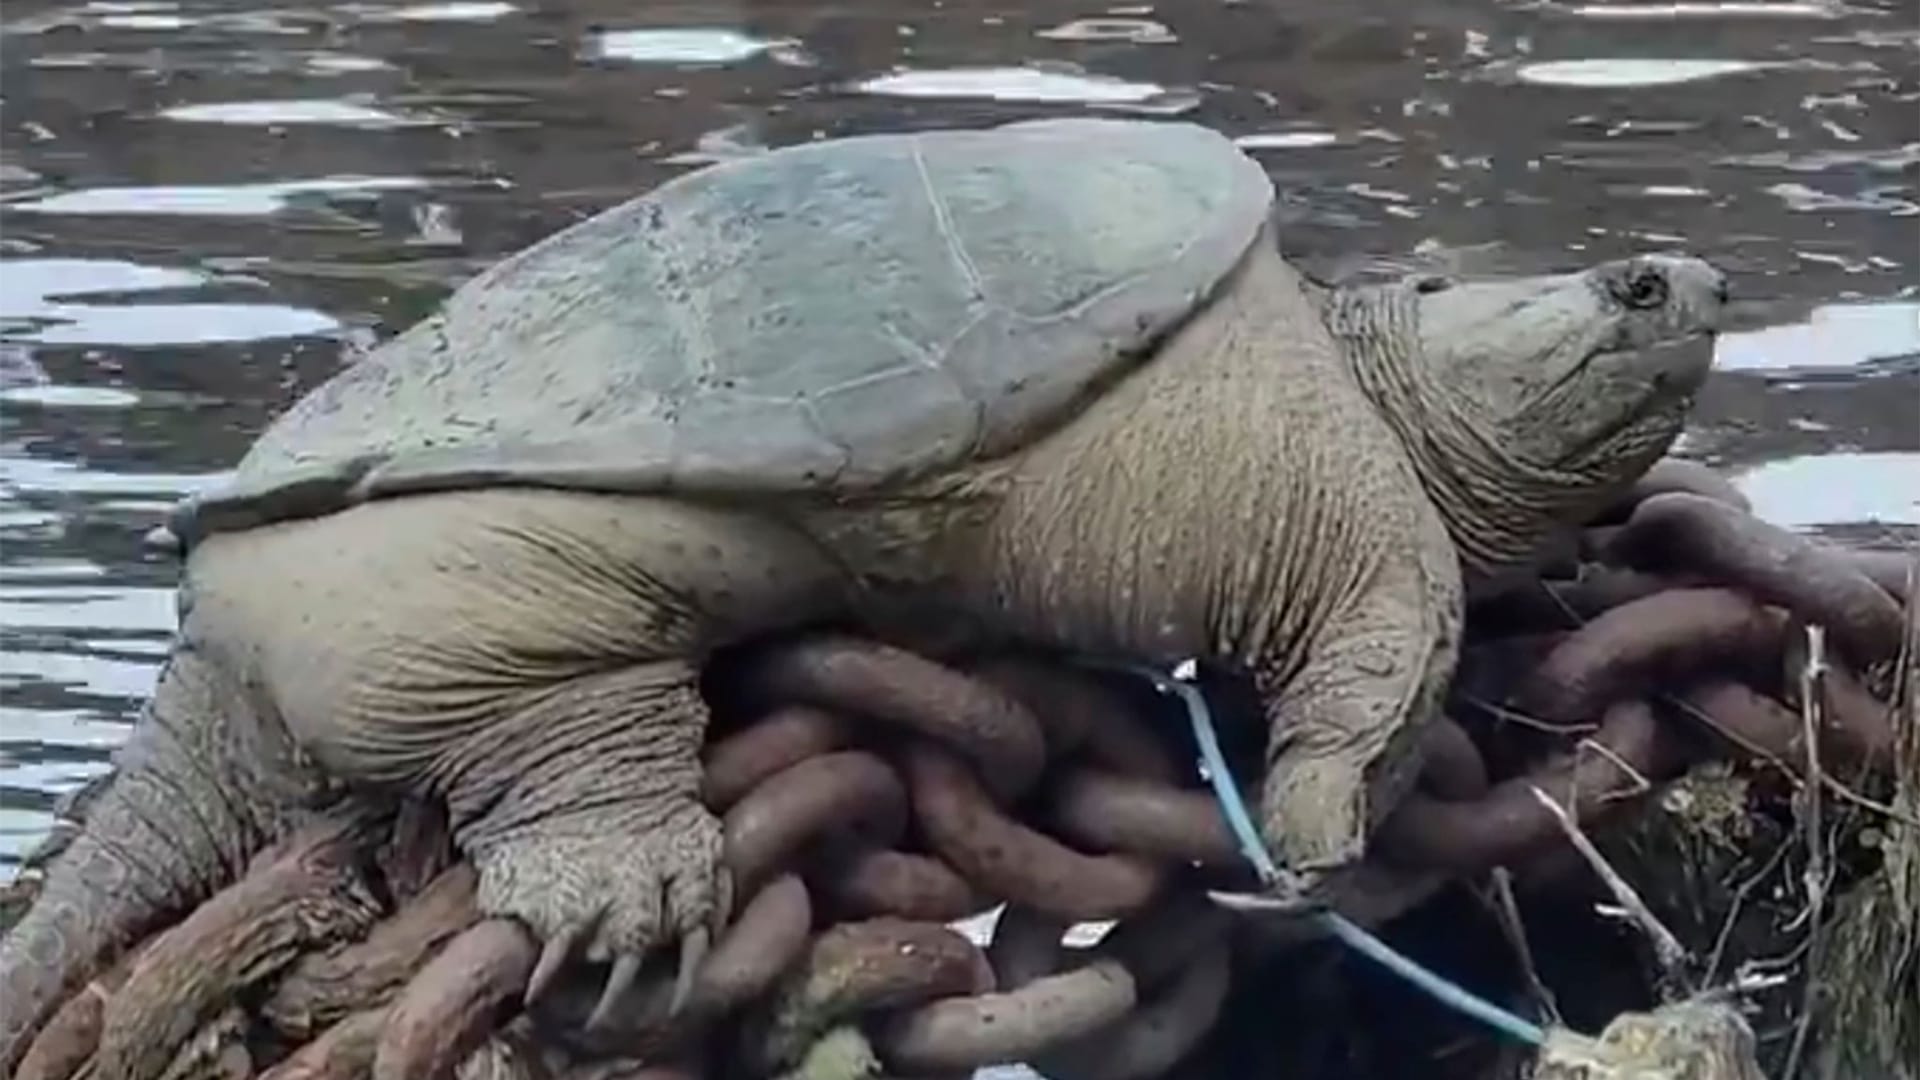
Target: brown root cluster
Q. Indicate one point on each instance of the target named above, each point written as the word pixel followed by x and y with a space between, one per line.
pixel 873 798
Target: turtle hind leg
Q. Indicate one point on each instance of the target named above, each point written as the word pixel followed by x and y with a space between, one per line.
pixel 530 658
pixel 204 782
pixel 587 825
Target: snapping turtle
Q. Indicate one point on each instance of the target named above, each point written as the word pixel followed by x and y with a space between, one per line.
pixel 1053 376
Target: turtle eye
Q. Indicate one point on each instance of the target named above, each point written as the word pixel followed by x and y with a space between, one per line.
pixel 1641 288
pixel 1432 283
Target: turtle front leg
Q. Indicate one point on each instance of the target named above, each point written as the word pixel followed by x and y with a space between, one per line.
pixel 1345 727
pixel 581 812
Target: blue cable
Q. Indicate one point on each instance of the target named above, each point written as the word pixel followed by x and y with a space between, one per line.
pixel 1441 989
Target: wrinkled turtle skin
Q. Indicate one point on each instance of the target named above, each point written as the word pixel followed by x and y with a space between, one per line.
pixel 1053 377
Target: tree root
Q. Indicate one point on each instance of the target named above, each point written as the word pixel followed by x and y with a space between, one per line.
pixel 312 893
pixel 1026 946
pixel 1073 705
pixel 1154 1037
pixel 959 1033
pixel 784 738
pixel 849 789
pixel 874 965
pixel 343 1051
pixel 1011 860
pixel 324 987
pixel 862 883
pixel 452 1004
pixel 871 796
pixel 1638 647
pixel 768 937
pixel 1728 547
pixel 862 678
pixel 1508 823
pixel 73 1033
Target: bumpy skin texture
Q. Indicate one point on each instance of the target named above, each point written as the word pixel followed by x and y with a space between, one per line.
pixel 1263 493
pixel 1191 512
pixel 529 656
pixel 199 788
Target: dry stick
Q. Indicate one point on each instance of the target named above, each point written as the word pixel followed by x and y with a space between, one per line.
pixel 322 987
pixel 1790 775
pixel 1813 691
pixel 1813 687
pixel 1506 911
pixel 217 1051
pixel 1667 948
pixel 1739 902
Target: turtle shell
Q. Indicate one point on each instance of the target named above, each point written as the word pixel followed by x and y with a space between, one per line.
pixel 838 315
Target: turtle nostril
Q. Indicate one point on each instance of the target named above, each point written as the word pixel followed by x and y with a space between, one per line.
pixel 1722 290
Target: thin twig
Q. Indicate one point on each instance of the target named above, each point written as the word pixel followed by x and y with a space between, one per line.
pixel 1667 948
pixel 1739 903
pixel 1513 715
pixel 1789 773
pixel 1813 692
pixel 1813 687
pixel 1506 911
pixel 1640 785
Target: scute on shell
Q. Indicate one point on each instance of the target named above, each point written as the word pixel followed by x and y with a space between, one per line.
pixel 837 315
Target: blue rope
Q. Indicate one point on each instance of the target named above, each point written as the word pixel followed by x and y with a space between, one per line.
pixel 1441 989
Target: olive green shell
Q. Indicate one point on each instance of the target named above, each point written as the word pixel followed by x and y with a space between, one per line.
pixel 833 316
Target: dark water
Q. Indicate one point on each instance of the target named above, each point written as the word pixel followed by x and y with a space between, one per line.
pixel 206 203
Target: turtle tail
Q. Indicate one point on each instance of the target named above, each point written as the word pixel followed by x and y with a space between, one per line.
pixel 177 821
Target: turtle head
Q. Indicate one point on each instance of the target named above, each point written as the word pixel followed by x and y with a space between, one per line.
pixel 1589 374
pixel 1526 401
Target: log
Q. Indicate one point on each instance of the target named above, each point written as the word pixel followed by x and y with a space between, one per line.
pixel 325 987
pixel 873 965
pixel 451 1006
pixel 1008 859
pixel 313 893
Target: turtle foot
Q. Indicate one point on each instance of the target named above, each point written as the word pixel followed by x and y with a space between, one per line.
pixel 598 890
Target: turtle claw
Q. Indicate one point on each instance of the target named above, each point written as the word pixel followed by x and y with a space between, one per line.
pixel 625 971
pixel 693 953
pixel 553 957
pixel 611 897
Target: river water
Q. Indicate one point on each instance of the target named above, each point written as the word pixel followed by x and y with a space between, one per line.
pixel 205 204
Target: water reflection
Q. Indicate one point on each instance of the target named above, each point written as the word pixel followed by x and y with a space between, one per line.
pixel 1613 73
pixel 1730 9
pixel 209 203
pixel 291 111
pixel 471 11
pixel 38 304
pixel 1133 31
pixel 1840 489
pixel 1874 338
pixel 685 46
pixel 1025 84
pixel 208 200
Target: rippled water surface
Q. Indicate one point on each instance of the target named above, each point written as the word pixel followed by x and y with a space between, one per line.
pixel 205 204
